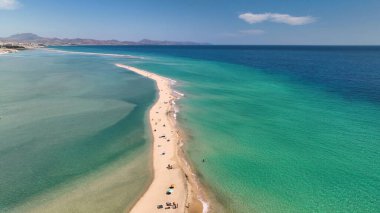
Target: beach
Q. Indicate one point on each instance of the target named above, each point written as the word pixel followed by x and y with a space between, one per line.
pixel 173 186
pixel 6 51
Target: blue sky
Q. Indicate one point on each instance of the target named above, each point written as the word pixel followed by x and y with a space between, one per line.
pixel 214 21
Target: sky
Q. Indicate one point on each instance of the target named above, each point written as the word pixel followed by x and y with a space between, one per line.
pixel 303 22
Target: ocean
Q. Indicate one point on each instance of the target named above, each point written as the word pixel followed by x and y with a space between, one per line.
pixel 281 128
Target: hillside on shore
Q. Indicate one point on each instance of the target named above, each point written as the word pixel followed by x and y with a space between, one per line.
pixel 33 38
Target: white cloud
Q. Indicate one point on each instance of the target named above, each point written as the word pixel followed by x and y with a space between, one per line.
pixel 254 18
pixel 292 20
pixel 9 4
pixel 252 32
pixel 276 17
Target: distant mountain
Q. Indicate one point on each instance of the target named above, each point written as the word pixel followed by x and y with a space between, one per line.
pixel 33 38
pixel 24 37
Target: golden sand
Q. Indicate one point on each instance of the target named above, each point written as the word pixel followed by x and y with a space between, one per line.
pixel 166 151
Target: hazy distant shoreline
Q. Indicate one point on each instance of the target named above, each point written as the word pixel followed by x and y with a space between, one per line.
pixel 33 38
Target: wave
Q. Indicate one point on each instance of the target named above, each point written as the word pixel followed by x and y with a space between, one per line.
pixel 205 205
pixel 175 108
pixel 177 96
pixel 178 93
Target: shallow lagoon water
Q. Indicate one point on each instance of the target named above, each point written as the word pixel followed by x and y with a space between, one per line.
pixel 65 120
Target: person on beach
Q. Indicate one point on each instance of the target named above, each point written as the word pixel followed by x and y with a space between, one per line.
pixel 175 205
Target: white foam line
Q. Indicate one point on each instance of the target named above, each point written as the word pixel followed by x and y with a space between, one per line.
pixel 205 206
pixel 181 94
pixel 91 53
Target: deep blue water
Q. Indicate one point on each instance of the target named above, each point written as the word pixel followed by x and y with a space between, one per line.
pixel 351 71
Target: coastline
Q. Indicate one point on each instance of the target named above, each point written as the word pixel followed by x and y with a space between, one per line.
pixel 93 53
pixel 167 143
pixel 6 51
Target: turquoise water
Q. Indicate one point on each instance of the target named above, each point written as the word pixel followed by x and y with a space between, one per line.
pixel 275 146
pixel 66 122
pixel 281 129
